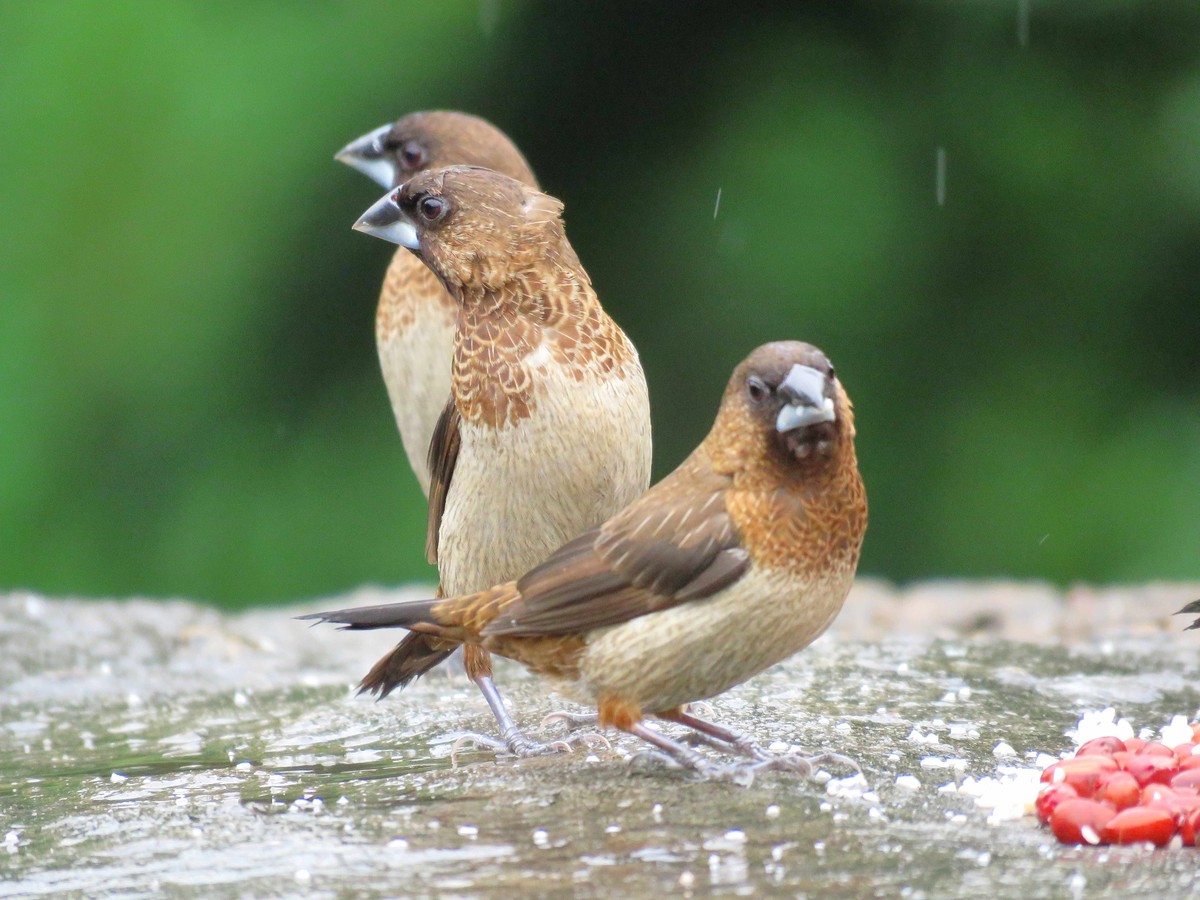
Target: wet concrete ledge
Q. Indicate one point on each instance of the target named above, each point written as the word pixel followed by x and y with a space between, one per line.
pixel 162 747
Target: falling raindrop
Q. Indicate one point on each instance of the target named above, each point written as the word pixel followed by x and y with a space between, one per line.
pixel 940 177
pixel 717 207
pixel 1023 23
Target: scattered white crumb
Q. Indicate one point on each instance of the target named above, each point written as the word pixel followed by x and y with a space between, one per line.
pixel 908 782
pixel 1100 724
pixel 772 811
pixel 117 778
pixel 1003 749
pixel 1177 732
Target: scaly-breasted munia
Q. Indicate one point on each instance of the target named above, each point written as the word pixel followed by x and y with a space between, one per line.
pixel 547 429
pixel 739 558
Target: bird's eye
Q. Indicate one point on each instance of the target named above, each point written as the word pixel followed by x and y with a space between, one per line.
pixel 831 375
pixel 412 155
pixel 756 390
pixel 432 208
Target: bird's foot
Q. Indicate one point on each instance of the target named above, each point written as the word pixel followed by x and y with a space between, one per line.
pixel 572 720
pixel 520 746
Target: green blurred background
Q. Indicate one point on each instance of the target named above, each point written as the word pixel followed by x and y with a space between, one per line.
pixel 189 396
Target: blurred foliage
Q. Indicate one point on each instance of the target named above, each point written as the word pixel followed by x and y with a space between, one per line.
pixel 189 401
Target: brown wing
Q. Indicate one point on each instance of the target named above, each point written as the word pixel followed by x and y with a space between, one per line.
pixel 443 454
pixel 676 544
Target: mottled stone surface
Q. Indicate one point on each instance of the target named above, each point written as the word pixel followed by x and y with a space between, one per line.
pixel 151 748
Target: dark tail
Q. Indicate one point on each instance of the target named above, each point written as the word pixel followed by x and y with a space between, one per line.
pixel 388 615
pixel 1191 609
pixel 408 661
pixel 412 657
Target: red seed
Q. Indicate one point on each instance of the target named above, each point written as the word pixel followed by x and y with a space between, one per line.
pixel 1196 732
pixel 1082 773
pixel 1118 788
pixel 1152 769
pixel 1101 746
pixel 1139 824
pixel 1190 828
pixel 1157 796
pixel 1053 794
pixel 1072 817
pixel 1134 744
pixel 1154 748
pixel 1183 751
pixel 1187 778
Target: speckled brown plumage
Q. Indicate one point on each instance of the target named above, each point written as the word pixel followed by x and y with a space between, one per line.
pixel 740 557
pixel 415 322
pixel 415 318
pixel 547 430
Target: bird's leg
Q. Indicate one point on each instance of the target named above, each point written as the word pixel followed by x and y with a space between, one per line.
pixel 729 739
pixel 512 740
pixel 626 715
pixel 674 751
pixel 715 735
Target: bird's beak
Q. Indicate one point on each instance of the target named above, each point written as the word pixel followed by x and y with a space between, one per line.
pixel 367 155
pixel 807 404
pixel 386 220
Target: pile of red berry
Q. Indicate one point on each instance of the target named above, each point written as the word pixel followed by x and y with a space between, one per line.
pixel 1117 791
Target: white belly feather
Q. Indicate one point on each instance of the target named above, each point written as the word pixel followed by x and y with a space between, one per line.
pixel 522 491
pixel 700 649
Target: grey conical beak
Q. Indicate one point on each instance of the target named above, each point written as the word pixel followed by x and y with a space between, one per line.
pixel 368 155
pixel 807 404
pixel 386 220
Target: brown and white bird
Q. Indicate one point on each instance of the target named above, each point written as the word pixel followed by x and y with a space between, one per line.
pixel 736 560
pixel 415 318
pixel 547 429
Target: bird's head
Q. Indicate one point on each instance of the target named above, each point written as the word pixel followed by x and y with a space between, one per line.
pixel 473 227
pixel 785 404
pixel 391 154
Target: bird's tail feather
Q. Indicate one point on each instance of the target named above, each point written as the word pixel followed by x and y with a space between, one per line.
pixel 1193 607
pixel 408 661
pixel 388 615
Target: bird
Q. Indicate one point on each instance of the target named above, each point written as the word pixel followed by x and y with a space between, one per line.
pixel 415 317
pixel 546 431
pixel 1191 609
pixel 738 559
